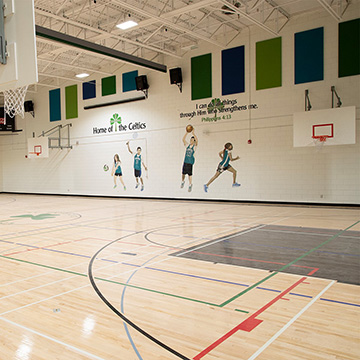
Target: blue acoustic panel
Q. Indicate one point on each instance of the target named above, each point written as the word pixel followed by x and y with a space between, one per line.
pixel 55 105
pixel 128 81
pixel 89 89
pixel 233 70
pixel 309 56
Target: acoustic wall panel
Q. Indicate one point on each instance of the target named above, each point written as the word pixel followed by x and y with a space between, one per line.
pixel 349 48
pixel 201 77
pixel 89 89
pixel 71 102
pixel 128 81
pixel 55 105
pixel 268 64
pixel 309 56
pixel 108 85
pixel 233 70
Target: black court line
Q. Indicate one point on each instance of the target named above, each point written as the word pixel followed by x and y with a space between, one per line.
pixel 120 314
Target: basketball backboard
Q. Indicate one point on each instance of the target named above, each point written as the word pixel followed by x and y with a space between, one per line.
pixel 20 68
pixel 38 148
pixel 331 126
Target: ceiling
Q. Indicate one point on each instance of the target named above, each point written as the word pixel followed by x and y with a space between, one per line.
pixel 167 29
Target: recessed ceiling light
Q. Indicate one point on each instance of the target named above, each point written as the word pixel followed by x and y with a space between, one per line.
pixel 83 75
pixel 127 25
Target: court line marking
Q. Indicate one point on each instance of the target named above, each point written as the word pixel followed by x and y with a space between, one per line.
pixel 313 271
pixel 289 264
pixel 138 287
pixel 293 248
pixel 162 260
pixel 68 346
pixel 286 326
pixel 311 233
pixel 249 323
pixel 128 321
pixel 84 275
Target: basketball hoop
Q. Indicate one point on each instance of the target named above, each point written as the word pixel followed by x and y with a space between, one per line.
pixel 14 101
pixel 319 141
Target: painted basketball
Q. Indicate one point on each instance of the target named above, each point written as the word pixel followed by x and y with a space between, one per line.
pixel 106 167
pixel 189 128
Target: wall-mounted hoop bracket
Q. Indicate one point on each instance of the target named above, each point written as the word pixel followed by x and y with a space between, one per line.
pixel 307 101
pixel 3 54
pixel 333 95
pixel 56 142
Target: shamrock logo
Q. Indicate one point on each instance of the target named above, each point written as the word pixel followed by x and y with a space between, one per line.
pixel 116 119
pixel 215 105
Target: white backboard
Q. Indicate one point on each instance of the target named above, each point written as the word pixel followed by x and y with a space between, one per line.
pixel 21 66
pixel 38 148
pixel 337 125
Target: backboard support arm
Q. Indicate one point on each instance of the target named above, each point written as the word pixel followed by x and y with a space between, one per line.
pixel 3 54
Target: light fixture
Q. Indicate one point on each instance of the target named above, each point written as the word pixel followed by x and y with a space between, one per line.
pixel 127 25
pixel 82 75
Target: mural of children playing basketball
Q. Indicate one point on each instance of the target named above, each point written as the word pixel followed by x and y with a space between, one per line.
pixel 226 157
pixel 116 171
pixel 189 159
pixel 137 166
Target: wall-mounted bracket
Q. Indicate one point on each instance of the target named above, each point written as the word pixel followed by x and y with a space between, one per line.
pixel 57 142
pixel 3 54
pixel 307 101
pixel 333 95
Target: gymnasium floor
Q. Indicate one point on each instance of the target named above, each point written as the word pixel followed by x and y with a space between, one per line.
pixel 106 278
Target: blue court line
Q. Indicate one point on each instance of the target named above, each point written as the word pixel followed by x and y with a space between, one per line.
pixel 340 302
pixel 183 274
pixel 197 276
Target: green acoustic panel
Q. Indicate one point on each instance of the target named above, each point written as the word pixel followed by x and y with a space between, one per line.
pixel 108 85
pixel 349 48
pixel 268 64
pixel 201 78
pixel 71 102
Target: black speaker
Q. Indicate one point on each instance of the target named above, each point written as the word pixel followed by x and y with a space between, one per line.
pixel 175 76
pixel 141 82
pixel 28 106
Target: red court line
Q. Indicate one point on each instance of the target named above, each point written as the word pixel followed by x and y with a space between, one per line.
pixel 132 243
pixel 68 242
pixel 249 324
pixel 43 247
pixel 256 260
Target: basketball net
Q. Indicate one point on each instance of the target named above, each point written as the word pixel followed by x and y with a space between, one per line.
pixel 14 101
pixel 319 142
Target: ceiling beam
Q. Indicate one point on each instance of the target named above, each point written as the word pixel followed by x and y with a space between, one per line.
pixel 330 10
pixel 107 34
pixel 90 46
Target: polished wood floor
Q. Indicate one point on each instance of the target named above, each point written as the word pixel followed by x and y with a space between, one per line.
pixel 106 278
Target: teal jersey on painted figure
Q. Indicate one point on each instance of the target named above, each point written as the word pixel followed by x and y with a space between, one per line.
pixel 118 168
pixel 189 155
pixel 137 162
pixel 226 159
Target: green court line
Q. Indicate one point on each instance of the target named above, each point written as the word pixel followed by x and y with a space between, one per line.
pixel 243 311
pixel 110 281
pixel 159 292
pixel 183 297
pixel 286 266
pixel 44 266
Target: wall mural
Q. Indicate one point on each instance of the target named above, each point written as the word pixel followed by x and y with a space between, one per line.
pixel 224 165
pixel 189 156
